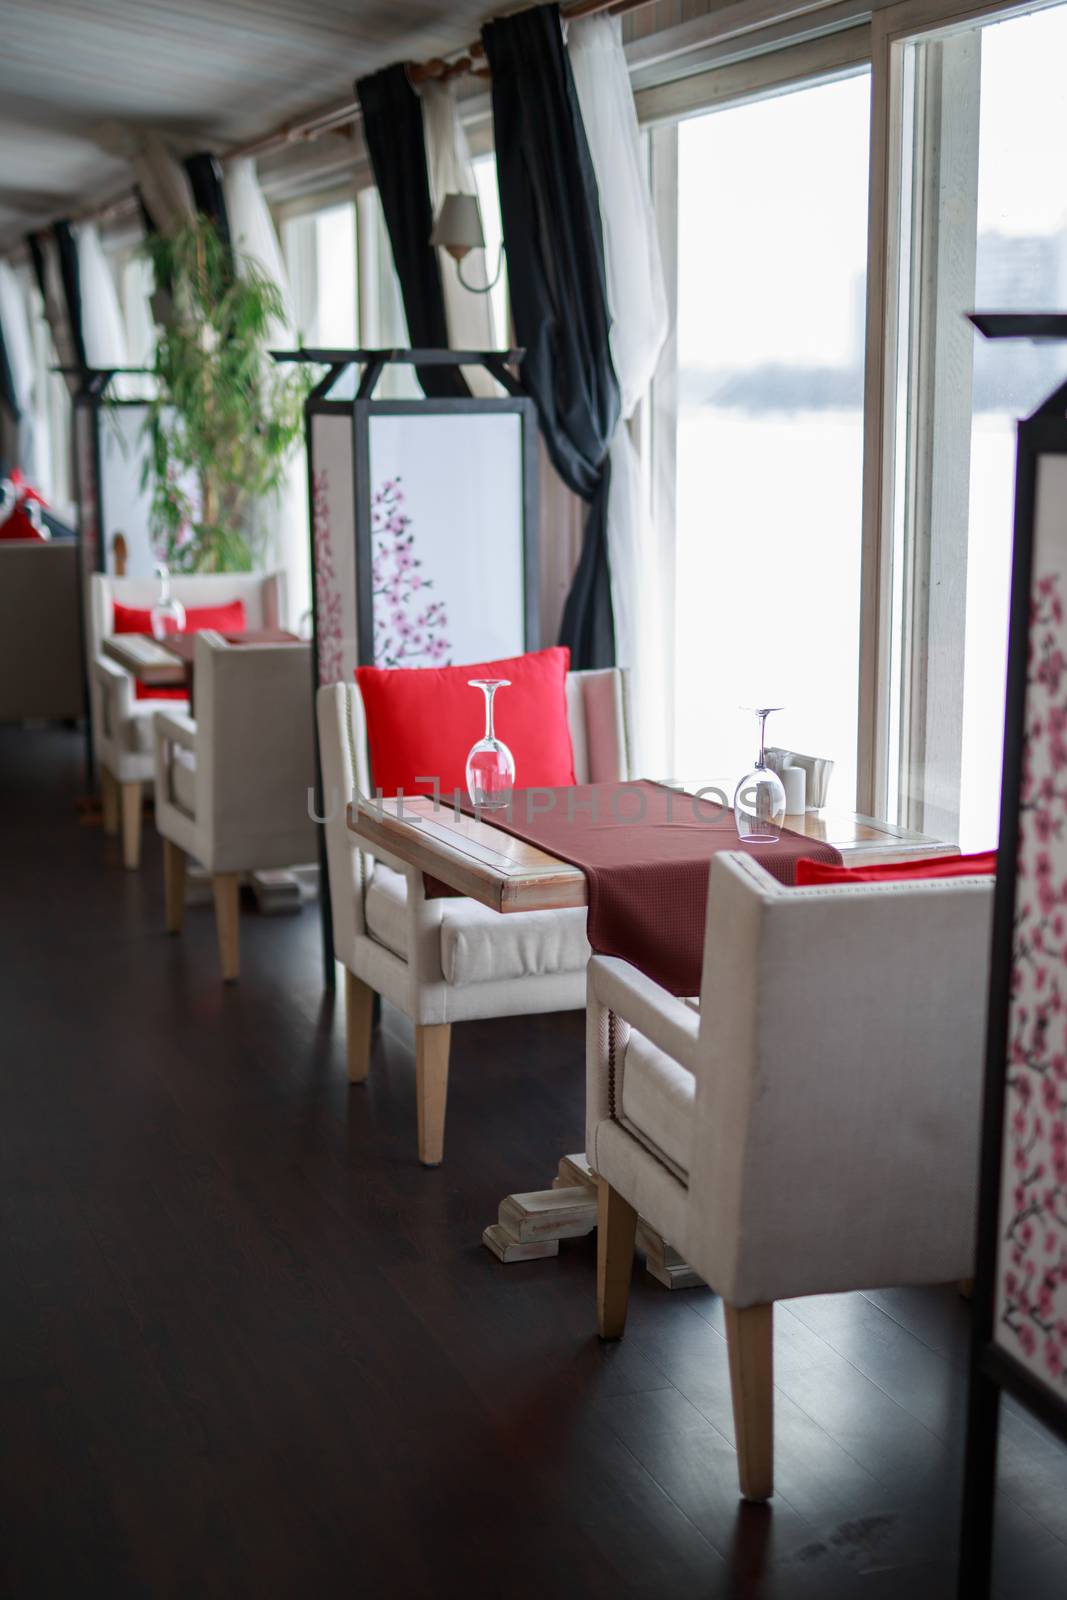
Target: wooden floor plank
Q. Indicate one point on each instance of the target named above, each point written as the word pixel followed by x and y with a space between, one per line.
pixel 248 1345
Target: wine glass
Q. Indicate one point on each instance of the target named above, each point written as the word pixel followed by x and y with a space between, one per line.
pixel 168 614
pixel 759 799
pixel 490 765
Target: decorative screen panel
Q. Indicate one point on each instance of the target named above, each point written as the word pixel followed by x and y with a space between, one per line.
pixel 446 536
pixel 1031 1277
pixel 334 546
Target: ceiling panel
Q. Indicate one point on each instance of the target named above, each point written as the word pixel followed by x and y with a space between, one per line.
pixel 209 72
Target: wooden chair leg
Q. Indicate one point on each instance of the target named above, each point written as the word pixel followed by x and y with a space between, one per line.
pixel 173 885
pixel 616 1227
pixel 109 793
pixel 750 1342
pixel 226 887
pixel 131 825
pixel 359 1015
pixel 966 1288
pixel 431 1088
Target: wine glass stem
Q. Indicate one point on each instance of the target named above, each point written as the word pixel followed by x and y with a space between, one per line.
pixel 489 690
pixel 761 759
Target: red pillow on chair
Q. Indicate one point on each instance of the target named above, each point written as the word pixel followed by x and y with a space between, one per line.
pixel 19 526
pixel 229 618
pixel 422 721
pixel 819 872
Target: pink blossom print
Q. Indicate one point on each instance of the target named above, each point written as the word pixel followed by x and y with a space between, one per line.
pixel 410 628
pixel 1033 1288
pixel 329 628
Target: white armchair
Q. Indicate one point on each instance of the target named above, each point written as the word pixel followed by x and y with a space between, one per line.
pixel 232 787
pixel 814 1128
pixel 122 724
pixel 448 960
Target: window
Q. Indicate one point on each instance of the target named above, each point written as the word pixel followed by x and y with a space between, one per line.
pixel 492 228
pixel 981 221
pixel 771 261
pixel 320 254
pixel 54 413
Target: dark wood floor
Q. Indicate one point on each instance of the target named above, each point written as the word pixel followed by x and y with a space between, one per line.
pixel 249 1347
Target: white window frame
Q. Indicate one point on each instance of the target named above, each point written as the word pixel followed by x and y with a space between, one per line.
pixel 747 55
pixel 930 581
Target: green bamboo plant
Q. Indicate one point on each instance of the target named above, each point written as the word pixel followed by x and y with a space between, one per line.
pixel 225 418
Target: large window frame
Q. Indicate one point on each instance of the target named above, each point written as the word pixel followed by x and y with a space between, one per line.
pixel 911 695
pixel 901 709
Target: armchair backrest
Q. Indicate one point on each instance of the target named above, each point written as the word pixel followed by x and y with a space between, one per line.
pixel 255 752
pixel 41 669
pixel 263 593
pixel 838 1098
pixel 597 715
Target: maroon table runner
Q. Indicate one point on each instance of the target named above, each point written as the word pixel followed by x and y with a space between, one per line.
pixel 645 851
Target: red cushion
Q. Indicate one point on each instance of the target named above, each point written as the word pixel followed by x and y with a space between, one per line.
pixel 229 618
pixel 19 526
pixel 811 872
pixel 24 490
pixel 422 721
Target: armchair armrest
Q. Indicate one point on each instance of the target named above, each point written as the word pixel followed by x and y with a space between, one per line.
pixel 176 728
pixel 111 692
pixel 663 1018
pixel 113 681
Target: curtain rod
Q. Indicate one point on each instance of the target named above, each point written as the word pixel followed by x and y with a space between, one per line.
pixel 337 118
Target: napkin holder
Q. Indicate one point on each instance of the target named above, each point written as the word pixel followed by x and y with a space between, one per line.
pixel 818 770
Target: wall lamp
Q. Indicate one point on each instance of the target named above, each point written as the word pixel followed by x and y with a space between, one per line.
pixel 458 229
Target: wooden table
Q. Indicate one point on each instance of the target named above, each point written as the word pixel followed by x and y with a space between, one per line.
pixel 170 665
pixel 509 875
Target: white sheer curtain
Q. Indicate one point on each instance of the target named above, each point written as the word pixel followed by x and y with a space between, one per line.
pixel 255 239
pixel 448 164
pixel 32 452
pixel 56 313
pixel 103 330
pixel 637 301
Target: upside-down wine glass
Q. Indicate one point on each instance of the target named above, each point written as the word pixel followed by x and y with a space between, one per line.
pixel 490 765
pixel 759 799
pixel 168 614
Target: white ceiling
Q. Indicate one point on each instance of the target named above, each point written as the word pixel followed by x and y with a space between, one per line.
pixel 210 72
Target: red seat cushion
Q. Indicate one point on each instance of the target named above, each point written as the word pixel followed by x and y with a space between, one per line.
pixel 422 721
pixel 229 618
pixel 19 526
pixel 819 872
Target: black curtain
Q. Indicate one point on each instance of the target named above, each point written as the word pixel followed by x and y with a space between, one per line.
pixel 8 397
pixel 205 180
pixel 33 245
pixel 392 128
pixel 70 277
pixel 550 211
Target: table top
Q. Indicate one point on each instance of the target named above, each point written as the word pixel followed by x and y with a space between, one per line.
pixel 167 665
pixel 507 874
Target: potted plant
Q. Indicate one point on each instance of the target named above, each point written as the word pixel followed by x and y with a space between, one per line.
pixel 225 417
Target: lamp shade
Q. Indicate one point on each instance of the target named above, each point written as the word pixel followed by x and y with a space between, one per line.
pixel 458 227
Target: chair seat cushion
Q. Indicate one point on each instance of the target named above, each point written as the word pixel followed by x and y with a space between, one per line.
pixel 657 1101
pixel 140 728
pixel 479 945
